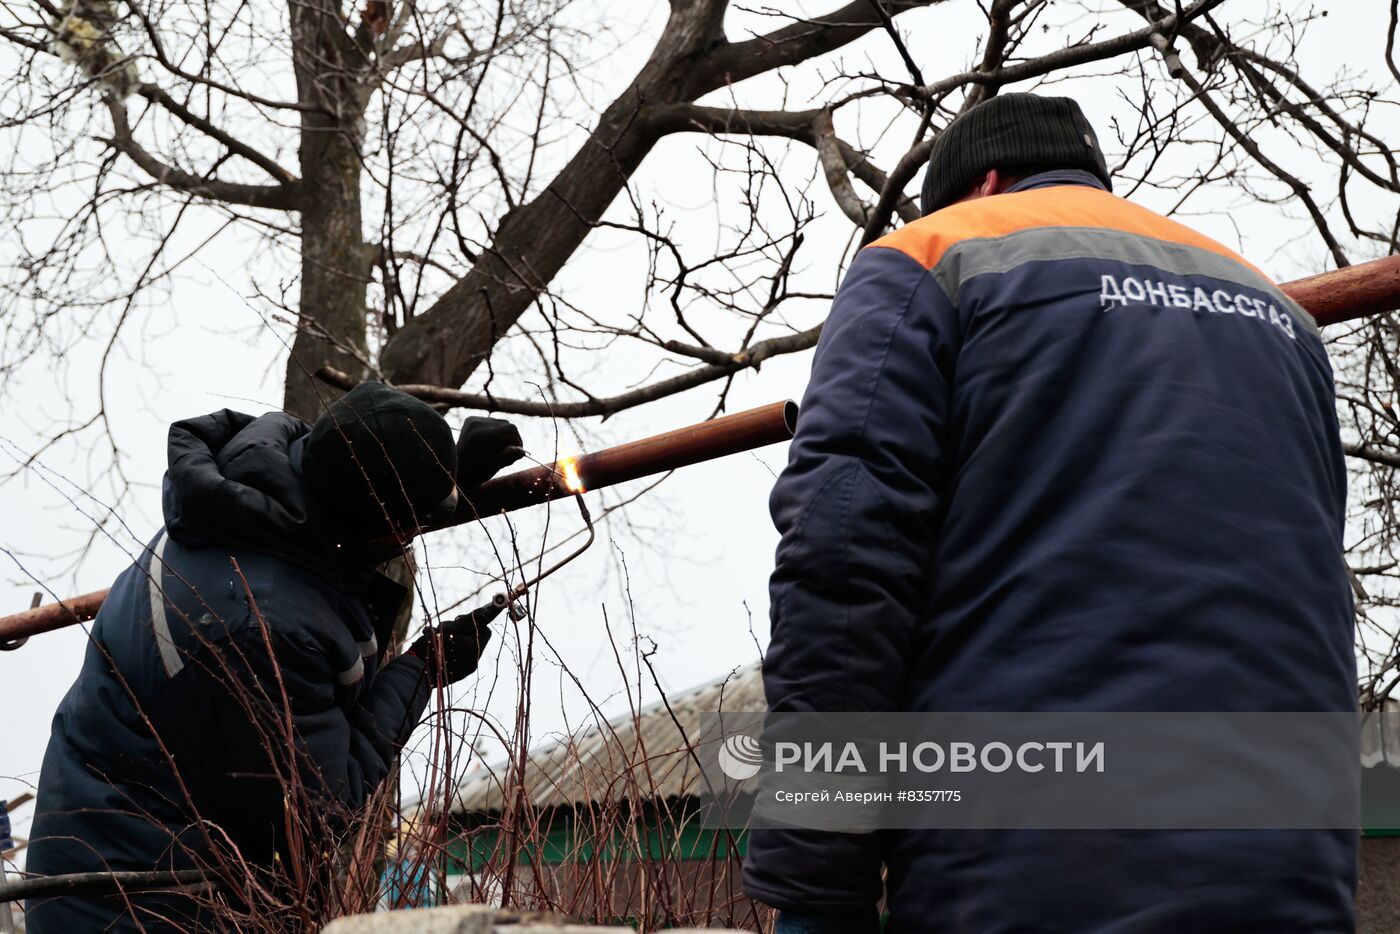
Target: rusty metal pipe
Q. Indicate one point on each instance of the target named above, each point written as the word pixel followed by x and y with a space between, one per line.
pixel 15 629
pixel 1353 292
pixel 730 434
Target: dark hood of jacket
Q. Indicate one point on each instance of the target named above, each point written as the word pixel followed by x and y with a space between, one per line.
pixel 231 480
pixel 235 479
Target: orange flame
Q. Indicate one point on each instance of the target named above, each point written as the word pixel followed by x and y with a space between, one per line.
pixel 568 467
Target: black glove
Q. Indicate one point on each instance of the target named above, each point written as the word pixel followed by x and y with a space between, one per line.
pixel 485 446
pixel 451 651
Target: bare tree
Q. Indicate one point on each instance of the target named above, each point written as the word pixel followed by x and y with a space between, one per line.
pixel 414 169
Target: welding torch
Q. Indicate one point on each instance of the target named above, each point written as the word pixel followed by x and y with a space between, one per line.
pixel 508 598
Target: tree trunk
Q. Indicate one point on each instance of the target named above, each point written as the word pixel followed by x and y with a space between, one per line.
pixel 334 265
pixel 334 274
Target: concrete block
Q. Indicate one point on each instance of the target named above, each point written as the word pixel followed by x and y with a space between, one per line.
pixel 1378 894
pixel 449 919
pixel 462 919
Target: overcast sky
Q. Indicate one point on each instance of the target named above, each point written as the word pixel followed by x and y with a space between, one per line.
pixel 700 548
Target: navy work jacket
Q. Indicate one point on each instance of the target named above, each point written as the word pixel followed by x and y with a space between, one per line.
pixel 232 676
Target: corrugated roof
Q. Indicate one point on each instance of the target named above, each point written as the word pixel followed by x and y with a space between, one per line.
pixel 647 756
pixel 634 757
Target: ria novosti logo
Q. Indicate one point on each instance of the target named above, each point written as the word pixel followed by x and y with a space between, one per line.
pixel 740 756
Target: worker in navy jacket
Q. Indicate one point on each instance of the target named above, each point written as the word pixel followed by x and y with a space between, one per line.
pixel 233 711
pixel 1058 453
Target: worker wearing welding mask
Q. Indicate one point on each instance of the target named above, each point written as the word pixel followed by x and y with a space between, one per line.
pixel 1058 453
pixel 240 698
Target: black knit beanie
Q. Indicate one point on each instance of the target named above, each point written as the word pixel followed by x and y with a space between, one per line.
pixel 378 456
pixel 1010 132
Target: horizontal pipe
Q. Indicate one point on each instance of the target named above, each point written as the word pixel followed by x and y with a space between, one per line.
pixel 1350 292
pixel 718 437
pixel 50 616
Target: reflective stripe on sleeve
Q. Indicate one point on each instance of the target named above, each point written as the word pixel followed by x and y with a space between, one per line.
pixel 352 674
pixel 169 654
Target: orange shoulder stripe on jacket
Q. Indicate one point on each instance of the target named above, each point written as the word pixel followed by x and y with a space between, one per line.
pixel 928 239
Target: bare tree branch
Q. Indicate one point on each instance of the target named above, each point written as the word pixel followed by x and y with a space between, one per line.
pixel 801 41
pixel 157 96
pixel 1299 188
pixel 798 125
pixel 750 359
pixel 280 197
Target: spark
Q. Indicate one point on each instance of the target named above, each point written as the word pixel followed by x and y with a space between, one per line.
pixel 568 467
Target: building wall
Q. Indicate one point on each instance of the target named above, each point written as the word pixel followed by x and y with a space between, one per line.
pixel 677 871
pixel 642 868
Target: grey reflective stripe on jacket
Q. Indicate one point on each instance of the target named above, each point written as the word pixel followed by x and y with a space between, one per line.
pixel 170 658
pixel 352 674
pixel 982 256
